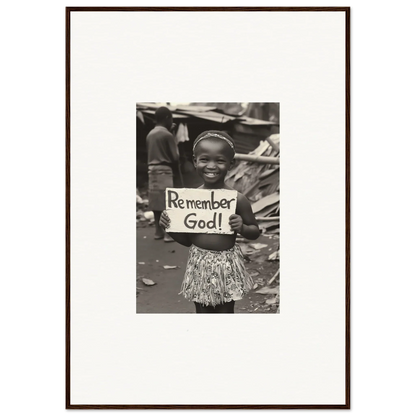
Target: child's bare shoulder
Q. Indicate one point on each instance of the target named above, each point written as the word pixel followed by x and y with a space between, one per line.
pixel 243 204
pixel 242 200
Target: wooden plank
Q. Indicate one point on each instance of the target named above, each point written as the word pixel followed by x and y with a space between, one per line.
pixel 273 144
pixel 258 159
pixel 265 202
pixel 265 212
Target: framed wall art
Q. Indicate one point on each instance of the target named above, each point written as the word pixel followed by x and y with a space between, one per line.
pixel 251 106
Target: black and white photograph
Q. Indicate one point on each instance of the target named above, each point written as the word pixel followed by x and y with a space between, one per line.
pixel 207 207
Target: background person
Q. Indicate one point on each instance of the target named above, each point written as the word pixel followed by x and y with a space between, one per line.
pixel 162 157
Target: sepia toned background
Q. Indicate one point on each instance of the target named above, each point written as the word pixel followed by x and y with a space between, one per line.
pixel 256 174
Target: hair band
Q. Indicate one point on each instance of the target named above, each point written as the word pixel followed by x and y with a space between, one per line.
pixel 218 136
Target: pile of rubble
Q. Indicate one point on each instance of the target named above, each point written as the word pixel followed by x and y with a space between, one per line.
pixel 260 183
pixel 143 215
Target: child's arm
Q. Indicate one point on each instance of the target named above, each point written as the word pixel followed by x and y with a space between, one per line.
pixel 244 221
pixel 181 238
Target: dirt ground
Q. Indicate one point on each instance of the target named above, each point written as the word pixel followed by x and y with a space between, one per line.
pixel 163 297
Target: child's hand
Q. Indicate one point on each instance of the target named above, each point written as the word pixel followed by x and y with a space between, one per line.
pixel 164 221
pixel 236 223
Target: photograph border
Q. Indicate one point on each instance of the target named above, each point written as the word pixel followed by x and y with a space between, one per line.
pixel 68 12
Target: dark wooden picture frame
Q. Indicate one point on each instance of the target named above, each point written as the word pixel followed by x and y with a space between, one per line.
pixel 67 406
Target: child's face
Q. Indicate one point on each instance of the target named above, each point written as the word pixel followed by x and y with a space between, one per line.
pixel 212 160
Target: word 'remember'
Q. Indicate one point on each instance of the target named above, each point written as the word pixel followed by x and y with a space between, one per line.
pixel 175 202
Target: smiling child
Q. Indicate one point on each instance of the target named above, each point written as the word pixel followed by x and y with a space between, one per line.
pixel 215 275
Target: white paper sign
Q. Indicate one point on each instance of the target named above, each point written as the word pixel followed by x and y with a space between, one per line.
pixel 200 210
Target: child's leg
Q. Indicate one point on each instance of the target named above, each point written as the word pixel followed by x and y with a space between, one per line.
pixel 204 309
pixel 227 307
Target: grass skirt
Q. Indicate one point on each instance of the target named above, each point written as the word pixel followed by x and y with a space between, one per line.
pixel 215 277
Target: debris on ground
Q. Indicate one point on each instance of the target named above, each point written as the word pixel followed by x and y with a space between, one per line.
pixel 148 282
pixel 143 215
pixel 247 250
pixel 170 267
pixel 274 256
pixel 242 240
pixel 268 290
pixel 149 215
pixel 273 278
pixel 260 258
pixel 272 301
pixel 258 246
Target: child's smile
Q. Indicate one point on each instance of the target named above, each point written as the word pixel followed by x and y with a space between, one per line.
pixel 211 174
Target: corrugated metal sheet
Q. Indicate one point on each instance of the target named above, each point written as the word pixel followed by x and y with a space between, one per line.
pixel 197 108
pixel 245 143
pixel 194 108
pixel 257 129
pixel 174 115
pixel 247 138
pixel 206 113
pixel 209 115
pixel 154 106
pixel 247 132
pixel 249 121
pixel 264 111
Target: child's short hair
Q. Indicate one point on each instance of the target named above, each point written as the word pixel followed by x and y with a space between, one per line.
pixel 215 134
